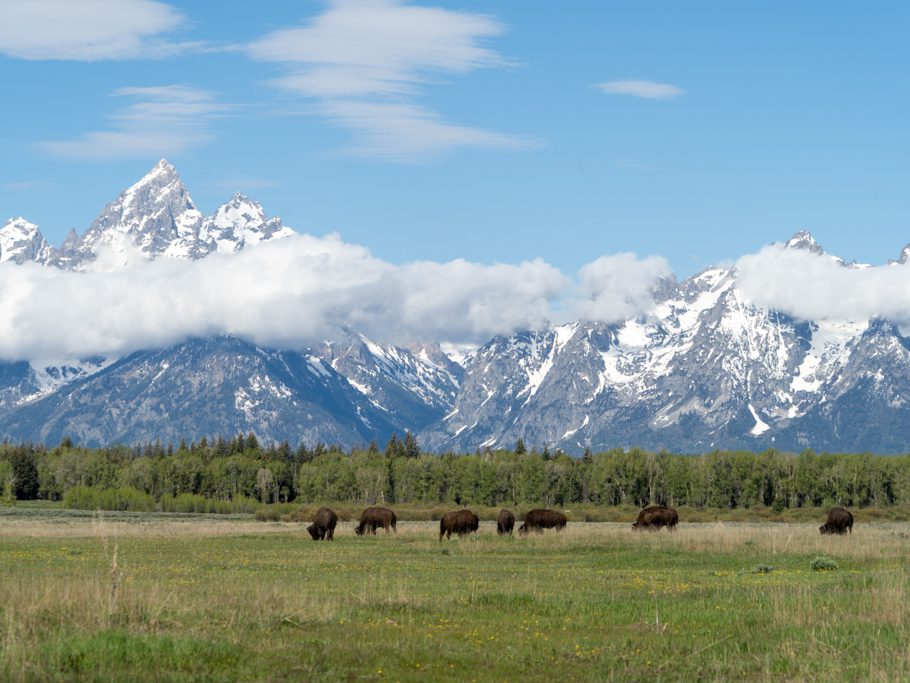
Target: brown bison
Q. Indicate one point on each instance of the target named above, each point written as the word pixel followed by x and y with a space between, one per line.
pixel 505 522
pixel 459 522
pixel 654 517
pixel 323 526
pixel 840 521
pixel 373 518
pixel 540 519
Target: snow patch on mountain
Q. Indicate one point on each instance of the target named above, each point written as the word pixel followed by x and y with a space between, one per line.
pixel 22 242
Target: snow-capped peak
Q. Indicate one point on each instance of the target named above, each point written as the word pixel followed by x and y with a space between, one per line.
pixel 905 255
pixel 239 223
pixel 19 227
pixel 152 214
pixel 803 239
pixel 157 217
pixel 239 208
pixel 21 241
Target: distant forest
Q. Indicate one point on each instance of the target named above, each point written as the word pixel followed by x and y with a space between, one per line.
pixel 240 474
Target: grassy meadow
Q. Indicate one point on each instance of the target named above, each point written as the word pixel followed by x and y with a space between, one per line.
pixel 156 597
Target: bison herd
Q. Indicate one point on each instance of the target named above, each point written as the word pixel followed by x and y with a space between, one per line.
pixel 463 522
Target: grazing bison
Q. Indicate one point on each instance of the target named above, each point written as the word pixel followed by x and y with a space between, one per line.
pixel 459 522
pixel 654 517
pixel 505 522
pixel 323 526
pixel 840 521
pixel 373 518
pixel 539 519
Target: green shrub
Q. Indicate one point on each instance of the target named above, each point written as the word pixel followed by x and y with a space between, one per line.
pixel 823 564
pixel 762 569
pixel 123 498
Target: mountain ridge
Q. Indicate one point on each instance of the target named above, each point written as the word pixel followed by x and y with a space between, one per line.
pixel 704 368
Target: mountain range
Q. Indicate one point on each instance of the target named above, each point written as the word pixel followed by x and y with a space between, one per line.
pixel 705 369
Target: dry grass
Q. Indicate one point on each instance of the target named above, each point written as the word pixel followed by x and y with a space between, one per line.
pixel 100 525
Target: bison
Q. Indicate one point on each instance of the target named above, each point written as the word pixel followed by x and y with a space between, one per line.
pixel 540 519
pixel 505 522
pixel 373 518
pixel 323 526
pixel 840 521
pixel 654 517
pixel 459 522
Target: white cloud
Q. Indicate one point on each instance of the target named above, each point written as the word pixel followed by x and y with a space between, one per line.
pixel 818 287
pixel 365 60
pixel 87 30
pixel 645 89
pixel 284 293
pixel 241 184
pixel 166 120
pixel 408 133
pixel 617 287
pixel 293 292
pixel 26 186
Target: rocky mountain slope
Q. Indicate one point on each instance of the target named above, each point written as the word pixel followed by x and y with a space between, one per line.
pixel 704 369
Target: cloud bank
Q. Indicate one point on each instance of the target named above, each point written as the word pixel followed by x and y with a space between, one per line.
pixel 618 287
pixel 812 286
pixel 289 293
pixel 88 30
pixel 364 61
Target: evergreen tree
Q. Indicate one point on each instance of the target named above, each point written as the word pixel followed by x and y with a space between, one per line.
pixel 411 447
pixel 390 478
pixel 394 448
pixel 24 473
pixel 520 447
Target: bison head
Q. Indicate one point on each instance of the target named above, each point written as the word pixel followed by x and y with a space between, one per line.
pixel 314 532
pixel 358 529
pixel 824 529
pixel 523 530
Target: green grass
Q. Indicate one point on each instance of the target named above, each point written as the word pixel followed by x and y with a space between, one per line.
pixel 240 601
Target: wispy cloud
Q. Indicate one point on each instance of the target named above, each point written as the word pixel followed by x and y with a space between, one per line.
pixel 408 133
pixel 241 184
pixel 364 61
pixel 648 90
pixel 165 120
pixel 26 186
pixel 89 30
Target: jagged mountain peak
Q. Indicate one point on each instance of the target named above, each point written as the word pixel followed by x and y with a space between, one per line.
pixel 803 239
pixel 239 223
pixel 904 256
pixel 157 216
pixel 240 206
pixel 22 241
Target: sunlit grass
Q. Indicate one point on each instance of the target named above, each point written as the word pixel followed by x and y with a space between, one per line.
pixel 202 599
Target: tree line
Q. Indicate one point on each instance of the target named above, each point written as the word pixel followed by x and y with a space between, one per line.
pixel 237 474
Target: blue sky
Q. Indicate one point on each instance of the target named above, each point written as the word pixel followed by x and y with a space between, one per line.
pixel 477 130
